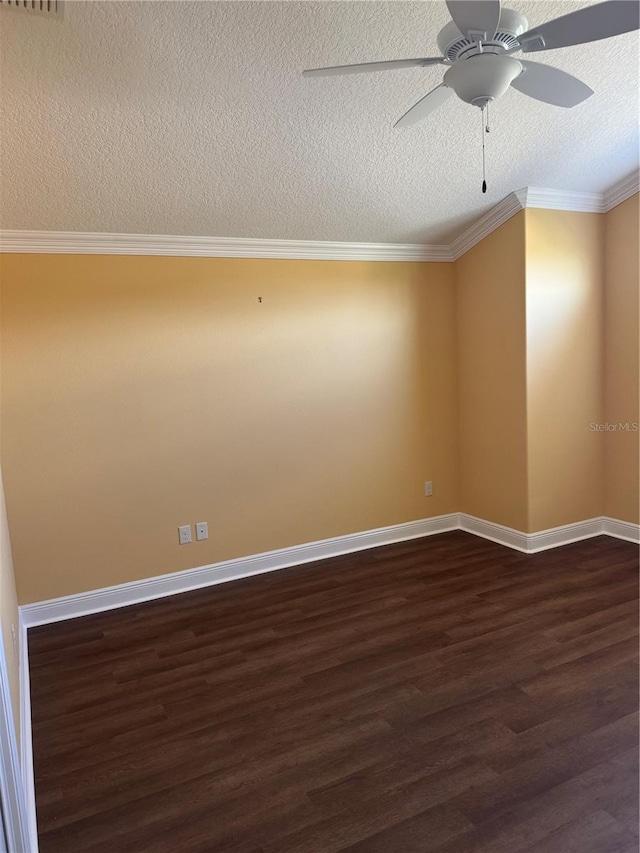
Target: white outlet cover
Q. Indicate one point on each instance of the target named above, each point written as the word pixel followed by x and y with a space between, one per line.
pixel 202 530
pixel 184 534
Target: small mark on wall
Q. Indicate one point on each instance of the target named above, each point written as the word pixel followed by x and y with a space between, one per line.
pixel 259 298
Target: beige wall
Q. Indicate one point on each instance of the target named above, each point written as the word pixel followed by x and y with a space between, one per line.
pixel 621 360
pixel 9 617
pixel 530 371
pixel 490 303
pixel 564 284
pixel 141 393
pixel 9 612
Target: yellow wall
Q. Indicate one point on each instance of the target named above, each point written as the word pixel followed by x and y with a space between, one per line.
pixel 141 393
pixel 564 283
pixel 9 618
pixel 490 300
pixel 9 612
pixel 621 360
pixel 530 370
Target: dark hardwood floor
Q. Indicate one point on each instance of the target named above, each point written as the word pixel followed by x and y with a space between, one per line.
pixel 445 694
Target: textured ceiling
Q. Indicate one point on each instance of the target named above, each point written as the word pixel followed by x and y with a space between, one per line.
pixel 192 118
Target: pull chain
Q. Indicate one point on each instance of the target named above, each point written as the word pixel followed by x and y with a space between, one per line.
pixel 484 170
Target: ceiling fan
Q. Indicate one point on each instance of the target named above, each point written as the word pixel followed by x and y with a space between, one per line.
pixel 477 46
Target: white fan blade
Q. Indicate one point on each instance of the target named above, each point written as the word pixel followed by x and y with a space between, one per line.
pixel 363 67
pixel 476 19
pixel 589 24
pixel 434 99
pixel 548 84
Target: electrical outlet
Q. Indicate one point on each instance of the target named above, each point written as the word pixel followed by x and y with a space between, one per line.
pixel 202 530
pixel 14 637
pixel 428 489
pixel 184 534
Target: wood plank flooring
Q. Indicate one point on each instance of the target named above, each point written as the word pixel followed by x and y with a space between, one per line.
pixel 445 695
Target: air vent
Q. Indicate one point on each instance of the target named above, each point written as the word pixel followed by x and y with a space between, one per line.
pixel 506 39
pixel 52 8
pixel 500 42
pixel 454 50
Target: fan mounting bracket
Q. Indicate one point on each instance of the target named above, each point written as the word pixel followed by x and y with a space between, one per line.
pixel 477 35
pixel 455 45
pixel 535 42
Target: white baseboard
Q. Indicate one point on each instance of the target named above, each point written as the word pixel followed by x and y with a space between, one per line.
pixel 554 537
pixel 495 532
pixel 96 601
pixel 71 606
pixel 531 543
pixel 109 598
pixel 26 743
pixel 621 529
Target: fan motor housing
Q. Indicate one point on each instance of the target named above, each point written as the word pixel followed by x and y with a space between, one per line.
pixel 454 45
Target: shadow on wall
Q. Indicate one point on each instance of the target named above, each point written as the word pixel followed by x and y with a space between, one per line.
pixel 281 401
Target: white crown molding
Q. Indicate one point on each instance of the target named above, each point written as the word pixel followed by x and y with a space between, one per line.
pixel 88 243
pixel 487 223
pixel 546 199
pixel 621 191
pixel 81 243
pixel 540 198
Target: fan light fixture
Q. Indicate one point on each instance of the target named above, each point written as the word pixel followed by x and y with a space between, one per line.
pixel 483 79
pixel 477 46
